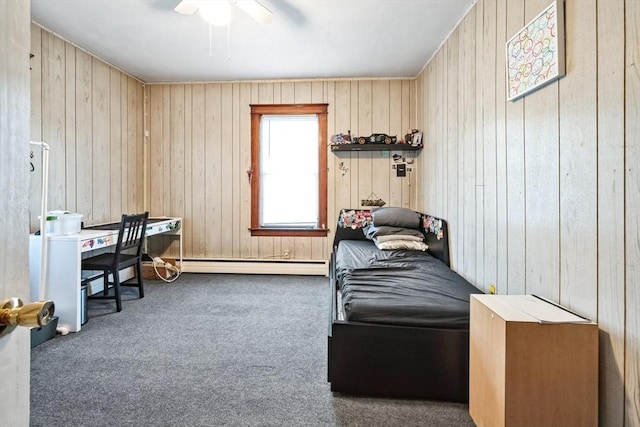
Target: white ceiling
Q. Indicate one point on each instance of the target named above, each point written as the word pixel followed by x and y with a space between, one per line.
pixel 305 39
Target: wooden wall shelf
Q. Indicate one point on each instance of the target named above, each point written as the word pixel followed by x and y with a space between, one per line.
pixel 375 147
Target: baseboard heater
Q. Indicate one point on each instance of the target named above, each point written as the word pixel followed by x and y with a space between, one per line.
pixel 256 266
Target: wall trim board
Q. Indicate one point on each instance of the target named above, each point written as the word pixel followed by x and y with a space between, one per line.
pixel 309 80
pixel 235 266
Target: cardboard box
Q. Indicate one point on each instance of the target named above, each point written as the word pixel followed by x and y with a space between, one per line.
pixel 149 273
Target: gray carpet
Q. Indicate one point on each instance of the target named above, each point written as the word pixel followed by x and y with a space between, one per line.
pixel 210 350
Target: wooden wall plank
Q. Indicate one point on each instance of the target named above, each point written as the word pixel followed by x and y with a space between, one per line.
pixel 489 138
pixel 288 92
pixel 127 110
pixel 632 212
pixel 177 157
pixel 319 246
pixel 35 177
pixel 137 146
pixel 197 173
pixel 174 190
pixel 453 210
pixel 101 173
pixel 227 172
pixel 413 196
pixel 165 160
pixel 302 92
pixel 155 149
pixel 238 174
pixel 516 195
pixel 443 133
pixel 355 132
pixel 213 170
pixel 428 105
pixel 469 143
pixel 479 103
pixel 84 137
pixel 266 93
pixel 395 109
pixel 501 149
pixel 365 126
pixel 53 116
pixel 119 182
pixel 342 163
pixel 462 186
pixel 611 235
pixel 437 148
pixel 542 183
pixel 578 160
pixel 187 229
pixel 380 117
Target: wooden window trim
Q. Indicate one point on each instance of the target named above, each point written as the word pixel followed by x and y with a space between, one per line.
pixel 257 111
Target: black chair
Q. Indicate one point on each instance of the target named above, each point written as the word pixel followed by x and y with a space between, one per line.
pixel 128 253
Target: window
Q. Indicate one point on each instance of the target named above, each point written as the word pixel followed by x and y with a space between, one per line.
pixel 289 170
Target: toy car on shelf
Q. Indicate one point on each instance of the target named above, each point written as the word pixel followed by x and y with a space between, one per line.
pixel 377 138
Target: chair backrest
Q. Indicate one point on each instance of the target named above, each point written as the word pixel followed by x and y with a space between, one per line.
pixel 131 233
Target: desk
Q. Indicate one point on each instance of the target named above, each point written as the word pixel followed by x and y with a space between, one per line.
pixel 64 263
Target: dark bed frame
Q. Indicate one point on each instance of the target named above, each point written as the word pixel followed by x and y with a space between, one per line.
pixel 397 361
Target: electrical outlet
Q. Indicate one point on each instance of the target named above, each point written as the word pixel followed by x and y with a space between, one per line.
pixel 285 254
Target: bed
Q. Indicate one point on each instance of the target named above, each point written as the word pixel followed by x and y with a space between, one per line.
pixel 399 319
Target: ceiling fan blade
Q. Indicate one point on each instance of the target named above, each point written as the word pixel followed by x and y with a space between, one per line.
pixel 187 7
pixel 254 10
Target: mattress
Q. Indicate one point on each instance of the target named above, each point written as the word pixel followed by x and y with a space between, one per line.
pixel 400 287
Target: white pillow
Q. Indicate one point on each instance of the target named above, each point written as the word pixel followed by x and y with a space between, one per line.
pixel 386 238
pixel 401 244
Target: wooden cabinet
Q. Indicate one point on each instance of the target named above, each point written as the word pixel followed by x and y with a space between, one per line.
pixel 531 363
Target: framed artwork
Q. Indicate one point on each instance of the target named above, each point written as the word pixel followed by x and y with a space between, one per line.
pixel 535 55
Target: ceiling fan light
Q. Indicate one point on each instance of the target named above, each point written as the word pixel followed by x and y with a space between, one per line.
pixel 216 12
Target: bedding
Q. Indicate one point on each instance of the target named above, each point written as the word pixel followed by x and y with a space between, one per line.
pixel 385 230
pixel 400 244
pixel 399 323
pixel 383 238
pixel 402 287
pixel 396 217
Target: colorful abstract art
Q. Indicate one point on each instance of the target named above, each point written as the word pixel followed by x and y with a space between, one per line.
pixel 535 55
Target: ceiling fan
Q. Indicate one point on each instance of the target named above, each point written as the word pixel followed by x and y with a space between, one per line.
pixel 217 12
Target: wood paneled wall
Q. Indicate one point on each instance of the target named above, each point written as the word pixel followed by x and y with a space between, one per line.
pixel 91 115
pixel 542 194
pixel 14 176
pixel 199 151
